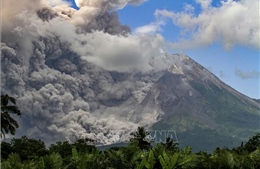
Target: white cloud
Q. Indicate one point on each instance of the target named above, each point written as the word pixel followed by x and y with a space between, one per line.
pixel 204 3
pixel 150 28
pixel 232 23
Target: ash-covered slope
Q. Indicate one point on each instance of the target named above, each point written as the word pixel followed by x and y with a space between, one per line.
pixel 198 94
pixel 196 102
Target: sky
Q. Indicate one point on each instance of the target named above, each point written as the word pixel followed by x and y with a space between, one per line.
pixel 223 36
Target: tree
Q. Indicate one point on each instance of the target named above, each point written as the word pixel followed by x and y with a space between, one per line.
pixel 54 161
pixel 64 149
pixel 6 149
pixel 252 143
pixel 115 159
pixel 28 148
pixel 84 145
pixel 170 144
pixel 8 124
pixel 140 137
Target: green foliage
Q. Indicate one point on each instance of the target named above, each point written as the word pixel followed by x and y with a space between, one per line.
pixel 63 148
pixel 6 149
pixel 83 145
pixel 161 156
pixel 54 161
pixel 148 160
pixel 14 162
pixel 140 138
pixel 28 148
pixel 253 143
pixel 168 163
pixel 170 144
pixel 40 164
pixel 255 158
pixel 8 124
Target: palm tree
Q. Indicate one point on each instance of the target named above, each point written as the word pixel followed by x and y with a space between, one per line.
pixel 140 137
pixel 8 124
pixel 170 144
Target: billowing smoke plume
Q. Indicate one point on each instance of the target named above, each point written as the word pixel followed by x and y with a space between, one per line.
pixel 76 73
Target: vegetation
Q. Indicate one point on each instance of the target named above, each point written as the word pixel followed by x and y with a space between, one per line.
pixel 8 124
pixel 30 153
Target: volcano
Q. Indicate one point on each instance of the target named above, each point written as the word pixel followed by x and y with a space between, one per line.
pixel 79 73
pixel 205 111
pixel 202 110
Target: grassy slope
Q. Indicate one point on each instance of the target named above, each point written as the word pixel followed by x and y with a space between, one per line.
pixel 236 120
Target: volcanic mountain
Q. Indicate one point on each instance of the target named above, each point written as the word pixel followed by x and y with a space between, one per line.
pixel 66 97
pixel 205 111
pixel 81 73
pixel 202 110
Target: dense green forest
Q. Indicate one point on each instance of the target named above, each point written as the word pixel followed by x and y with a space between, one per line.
pixel 140 153
pixel 30 153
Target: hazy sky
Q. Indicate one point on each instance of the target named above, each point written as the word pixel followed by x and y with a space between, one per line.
pixel 223 36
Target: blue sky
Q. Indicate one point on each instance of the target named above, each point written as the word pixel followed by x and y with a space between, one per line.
pixel 223 36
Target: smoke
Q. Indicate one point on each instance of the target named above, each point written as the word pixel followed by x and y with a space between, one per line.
pixel 247 75
pixel 151 28
pixel 107 5
pixel 77 73
pixel 97 15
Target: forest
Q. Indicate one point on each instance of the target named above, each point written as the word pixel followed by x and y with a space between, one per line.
pixel 140 153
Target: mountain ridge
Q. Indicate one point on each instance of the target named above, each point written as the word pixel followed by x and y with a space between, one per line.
pixel 186 99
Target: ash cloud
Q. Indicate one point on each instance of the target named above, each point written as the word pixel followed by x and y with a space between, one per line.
pixel 46 14
pixel 109 23
pixel 66 66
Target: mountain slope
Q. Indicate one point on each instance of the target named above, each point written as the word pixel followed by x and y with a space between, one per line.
pixel 195 100
pixel 202 110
